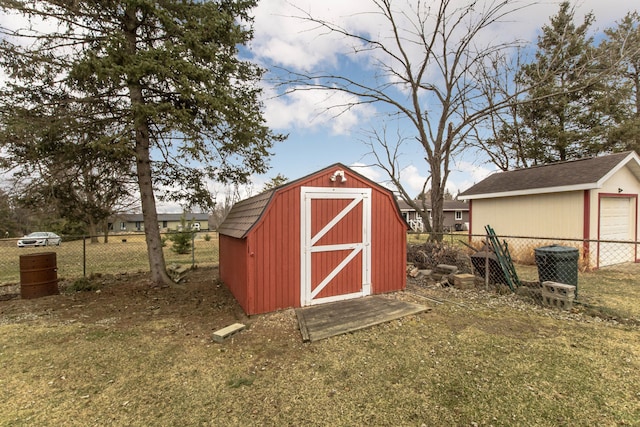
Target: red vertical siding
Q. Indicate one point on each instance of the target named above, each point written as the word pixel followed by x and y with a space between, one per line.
pixel 233 268
pixel 388 245
pixel 276 243
pixel 263 270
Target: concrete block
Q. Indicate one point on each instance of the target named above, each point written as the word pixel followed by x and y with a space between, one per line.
pixel 559 290
pixel 446 269
pixel 442 270
pixel 557 302
pixel 464 281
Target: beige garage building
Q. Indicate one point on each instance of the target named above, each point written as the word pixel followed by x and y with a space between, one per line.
pixel 590 200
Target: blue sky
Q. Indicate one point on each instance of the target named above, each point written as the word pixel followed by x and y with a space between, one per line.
pixel 317 140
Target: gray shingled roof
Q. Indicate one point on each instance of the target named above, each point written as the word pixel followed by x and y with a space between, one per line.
pixel 562 176
pixel 167 217
pixel 449 205
pixel 244 215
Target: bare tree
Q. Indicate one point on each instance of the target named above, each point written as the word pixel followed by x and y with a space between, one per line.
pixel 508 142
pixel 430 65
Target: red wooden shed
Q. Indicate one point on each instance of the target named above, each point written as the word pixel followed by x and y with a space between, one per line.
pixel 330 236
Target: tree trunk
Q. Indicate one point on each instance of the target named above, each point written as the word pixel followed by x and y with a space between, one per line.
pixel 437 216
pixel 437 197
pixel 106 230
pixel 93 231
pixel 157 265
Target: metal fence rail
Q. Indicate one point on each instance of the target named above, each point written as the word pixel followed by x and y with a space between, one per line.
pixel 78 257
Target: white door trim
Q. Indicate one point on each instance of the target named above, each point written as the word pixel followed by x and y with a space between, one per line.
pixel 308 243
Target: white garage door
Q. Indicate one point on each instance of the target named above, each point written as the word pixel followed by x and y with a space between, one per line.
pixel 616 223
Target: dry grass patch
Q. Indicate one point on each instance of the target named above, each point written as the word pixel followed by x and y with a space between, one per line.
pixel 136 355
pixel 115 257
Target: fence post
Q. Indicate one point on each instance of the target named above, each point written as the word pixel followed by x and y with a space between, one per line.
pixel 193 249
pixel 486 265
pixel 84 256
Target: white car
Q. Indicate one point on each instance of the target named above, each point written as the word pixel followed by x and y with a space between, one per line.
pixel 40 238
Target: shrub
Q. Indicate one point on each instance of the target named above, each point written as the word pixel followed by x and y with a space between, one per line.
pixel 182 238
pixel 430 254
pixel 83 285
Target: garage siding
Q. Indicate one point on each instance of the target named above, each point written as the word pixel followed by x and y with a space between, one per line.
pixel 557 215
pixel 233 267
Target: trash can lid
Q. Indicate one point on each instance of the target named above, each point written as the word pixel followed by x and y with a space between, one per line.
pixel 557 250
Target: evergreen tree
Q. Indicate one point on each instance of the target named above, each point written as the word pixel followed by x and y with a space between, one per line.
pixel 66 166
pixel 620 53
pixel 163 76
pixel 563 118
pixel 274 182
pixel 9 227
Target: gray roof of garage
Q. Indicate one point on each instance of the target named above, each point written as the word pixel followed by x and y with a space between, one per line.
pixel 571 175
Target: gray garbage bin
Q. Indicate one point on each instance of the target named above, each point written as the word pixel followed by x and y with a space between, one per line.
pixel 559 264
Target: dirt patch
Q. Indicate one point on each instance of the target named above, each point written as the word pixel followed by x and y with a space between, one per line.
pixel 200 306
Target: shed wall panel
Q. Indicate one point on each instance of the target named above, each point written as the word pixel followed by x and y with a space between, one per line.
pixel 234 269
pixel 388 245
pixel 277 254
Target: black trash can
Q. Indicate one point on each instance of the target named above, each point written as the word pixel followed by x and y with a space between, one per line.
pixel 559 264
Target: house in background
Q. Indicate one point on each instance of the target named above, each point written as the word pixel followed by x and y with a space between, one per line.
pixel 456 215
pixel 166 221
pixel 590 200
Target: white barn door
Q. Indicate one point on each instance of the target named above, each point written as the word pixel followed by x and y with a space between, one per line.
pixel 335 242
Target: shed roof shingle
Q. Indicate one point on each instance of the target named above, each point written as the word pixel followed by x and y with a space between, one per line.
pixel 574 174
pixel 244 215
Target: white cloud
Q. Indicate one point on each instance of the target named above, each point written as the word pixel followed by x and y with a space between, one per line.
pixel 467 174
pixel 284 37
pixel 312 110
pixel 412 180
pixel 368 171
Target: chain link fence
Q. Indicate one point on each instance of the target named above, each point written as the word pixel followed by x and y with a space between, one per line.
pixel 587 273
pixel 558 273
pixel 83 256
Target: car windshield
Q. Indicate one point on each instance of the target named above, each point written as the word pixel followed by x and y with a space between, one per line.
pixel 38 234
